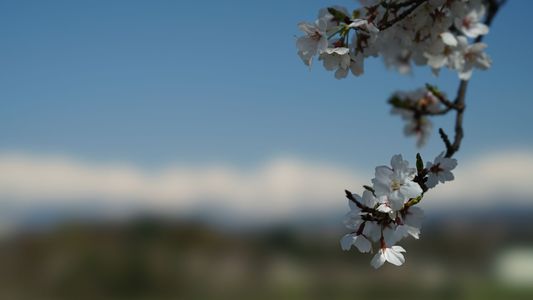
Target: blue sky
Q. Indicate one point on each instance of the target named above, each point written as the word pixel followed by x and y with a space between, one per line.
pixel 195 82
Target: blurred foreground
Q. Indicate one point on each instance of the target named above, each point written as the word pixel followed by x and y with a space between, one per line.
pixel 150 258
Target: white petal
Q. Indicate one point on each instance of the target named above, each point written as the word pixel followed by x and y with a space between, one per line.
pixel 445 176
pixel 390 236
pixel 353 220
pixel 341 73
pixel 372 231
pixel 362 244
pixel 384 208
pixel 396 202
pixel 368 199
pixel 432 180
pixel 347 242
pixel 476 30
pixel 322 44
pixel 449 39
pixel 436 61
pixel 352 204
pixel 357 66
pixel 345 61
pixel 383 174
pixel 398 249
pixel 397 162
pixel 358 23
pixel 483 62
pixel 341 50
pixel 306 44
pixel 411 189
pixel 402 231
pixel 478 47
pixel 306 57
pixel 381 188
pixel 394 257
pixel 331 62
pixel 412 231
pixel 322 24
pixel 306 27
pixel 465 75
pixel 378 260
pixel 462 42
pixel 448 163
pixel 414 217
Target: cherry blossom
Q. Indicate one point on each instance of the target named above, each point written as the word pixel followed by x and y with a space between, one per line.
pixel 396 182
pixel 392 255
pixel 384 213
pixel 470 56
pixel 412 107
pixel 337 59
pixel 357 240
pixel 404 33
pixel 471 25
pixel 440 170
pixel 314 42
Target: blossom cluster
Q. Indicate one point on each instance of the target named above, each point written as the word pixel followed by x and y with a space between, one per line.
pixel 386 212
pixel 414 107
pixel 436 33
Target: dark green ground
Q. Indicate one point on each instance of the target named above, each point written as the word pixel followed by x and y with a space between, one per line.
pixel 156 260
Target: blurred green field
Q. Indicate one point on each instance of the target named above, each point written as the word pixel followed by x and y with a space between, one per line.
pixel 151 259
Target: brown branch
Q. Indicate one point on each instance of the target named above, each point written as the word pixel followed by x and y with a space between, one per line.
pixel 460 108
pixel 434 90
pixel 438 113
pixel 445 138
pixel 403 15
pixel 398 5
pixel 459 103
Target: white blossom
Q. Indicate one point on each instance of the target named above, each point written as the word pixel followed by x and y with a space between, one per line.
pixel 440 170
pixel 332 24
pixel 391 235
pixel 393 255
pixel 411 223
pixel 357 240
pixel 470 56
pixel 471 25
pixel 314 42
pixel 337 59
pixel 372 230
pixel 396 182
pixel 373 217
pixel 441 53
pixel 413 217
pixel 429 35
pixel 417 125
pixel 357 65
pixel 353 220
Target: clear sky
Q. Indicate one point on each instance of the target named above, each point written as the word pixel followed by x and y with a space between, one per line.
pixel 153 82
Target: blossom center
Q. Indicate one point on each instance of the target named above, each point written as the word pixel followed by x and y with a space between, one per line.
pixel 316 36
pixel 395 185
pixel 436 169
pixel 467 23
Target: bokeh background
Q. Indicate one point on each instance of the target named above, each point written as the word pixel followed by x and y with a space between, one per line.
pixel 181 150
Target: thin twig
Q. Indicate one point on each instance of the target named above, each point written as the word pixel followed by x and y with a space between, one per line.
pixel 403 15
pixel 445 138
pixel 439 112
pixel 398 5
